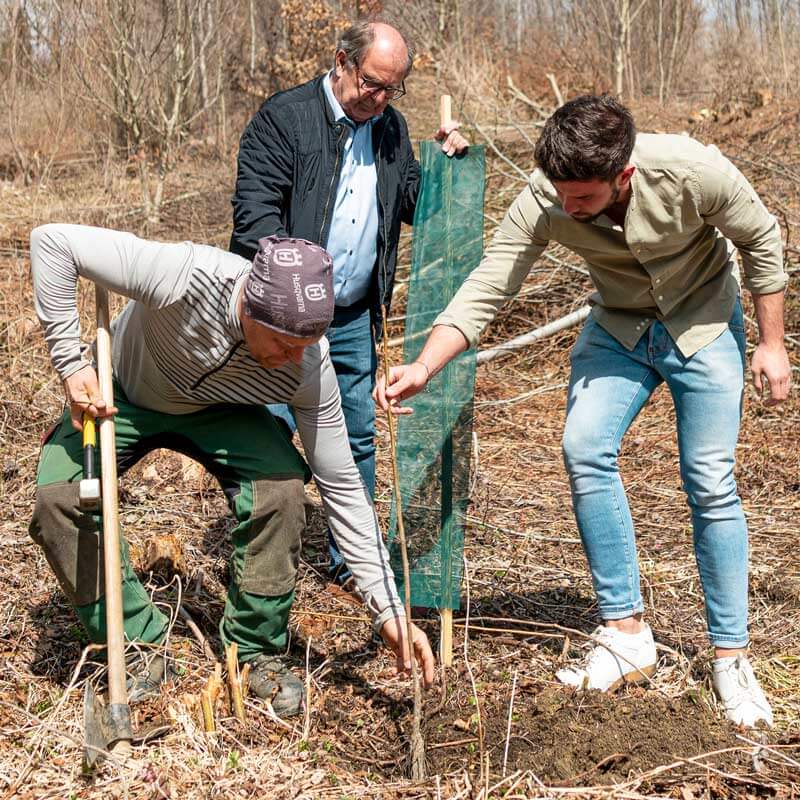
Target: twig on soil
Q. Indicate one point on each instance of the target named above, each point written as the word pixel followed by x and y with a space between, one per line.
pixel 454 743
pixel 600 764
pixel 307 714
pixel 510 719
pixel 513 631
pixel 481 742
pixel 517 778
pixel 198 634
pixel 417 742
pixel 268 711
pixel 770 749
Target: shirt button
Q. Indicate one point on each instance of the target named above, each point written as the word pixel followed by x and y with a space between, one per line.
pixel 661 297
pixel 658 280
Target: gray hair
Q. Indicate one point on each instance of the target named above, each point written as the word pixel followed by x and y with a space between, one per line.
pixel 358 38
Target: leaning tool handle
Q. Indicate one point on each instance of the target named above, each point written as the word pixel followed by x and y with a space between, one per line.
pixel 445 614
pixel 117 691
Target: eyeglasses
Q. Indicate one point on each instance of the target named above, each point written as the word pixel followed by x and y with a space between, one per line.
pixel 373 87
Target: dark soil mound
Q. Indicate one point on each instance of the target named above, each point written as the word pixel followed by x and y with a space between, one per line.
pixel 581 738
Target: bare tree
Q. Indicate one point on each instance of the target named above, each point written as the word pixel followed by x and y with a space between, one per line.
pixel 33 98
pixel 145 67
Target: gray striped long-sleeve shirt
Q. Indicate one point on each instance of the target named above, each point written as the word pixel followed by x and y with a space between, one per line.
pixel 178 347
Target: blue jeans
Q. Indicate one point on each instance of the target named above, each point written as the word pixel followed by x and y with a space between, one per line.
pixel 352 349
pixel 609 385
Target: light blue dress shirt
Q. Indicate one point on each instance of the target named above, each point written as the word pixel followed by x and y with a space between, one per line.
pixel 353 237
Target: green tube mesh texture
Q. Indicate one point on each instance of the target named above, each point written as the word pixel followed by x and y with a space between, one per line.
pixel 435 442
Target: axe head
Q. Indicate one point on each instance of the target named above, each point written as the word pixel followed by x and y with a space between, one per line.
pixel 104 727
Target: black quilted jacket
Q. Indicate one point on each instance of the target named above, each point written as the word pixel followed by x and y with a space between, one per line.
pixel 288 173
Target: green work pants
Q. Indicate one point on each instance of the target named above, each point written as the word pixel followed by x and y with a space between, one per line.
pixel 262 475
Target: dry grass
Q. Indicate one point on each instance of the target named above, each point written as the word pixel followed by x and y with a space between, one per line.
pixel 525 563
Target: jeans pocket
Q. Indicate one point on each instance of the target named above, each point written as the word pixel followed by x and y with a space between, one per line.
pixel 736 322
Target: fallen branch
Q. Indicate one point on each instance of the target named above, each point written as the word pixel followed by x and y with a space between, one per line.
pixel 561 324
pixel 522 97
pixel 556 90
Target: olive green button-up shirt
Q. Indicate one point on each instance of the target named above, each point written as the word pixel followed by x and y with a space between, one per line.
pixel 672 261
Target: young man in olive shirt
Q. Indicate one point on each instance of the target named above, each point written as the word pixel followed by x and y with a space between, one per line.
pixel 657 218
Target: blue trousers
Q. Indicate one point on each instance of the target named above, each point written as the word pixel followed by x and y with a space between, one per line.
pixel 609 385
pixel 352 349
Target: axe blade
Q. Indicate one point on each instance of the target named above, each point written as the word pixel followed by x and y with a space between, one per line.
pixel 104 726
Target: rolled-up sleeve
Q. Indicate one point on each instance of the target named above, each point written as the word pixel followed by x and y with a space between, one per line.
pixel 728 202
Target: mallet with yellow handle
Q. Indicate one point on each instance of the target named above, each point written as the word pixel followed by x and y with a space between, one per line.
pixel 89 487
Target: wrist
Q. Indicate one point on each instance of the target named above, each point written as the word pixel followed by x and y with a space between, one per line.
pixel 427 370
pixel 771 344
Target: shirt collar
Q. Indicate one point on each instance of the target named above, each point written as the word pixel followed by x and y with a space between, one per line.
pixel 338 111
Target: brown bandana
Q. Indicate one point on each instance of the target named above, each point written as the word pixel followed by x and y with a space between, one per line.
pixel 290 288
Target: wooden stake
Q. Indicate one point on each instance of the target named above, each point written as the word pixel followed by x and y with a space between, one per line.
pixel 446 636
pixel 417 742
pixel 445 614
pixel 445 114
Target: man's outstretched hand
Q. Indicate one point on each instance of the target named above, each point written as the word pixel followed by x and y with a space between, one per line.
pixel 404 382
pixel 394 634
pixel 82 391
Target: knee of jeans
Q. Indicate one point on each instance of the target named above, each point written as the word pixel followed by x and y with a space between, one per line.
pixel 584 451
pixel 710 494
pixel 270 545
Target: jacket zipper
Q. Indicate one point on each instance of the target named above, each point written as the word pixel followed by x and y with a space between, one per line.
pixel 330 187
pixel 217 368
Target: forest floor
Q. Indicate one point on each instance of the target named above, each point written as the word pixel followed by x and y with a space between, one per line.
pixel 496 724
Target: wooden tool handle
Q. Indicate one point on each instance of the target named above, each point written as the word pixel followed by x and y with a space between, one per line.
pixel 117 692
pixel 445 110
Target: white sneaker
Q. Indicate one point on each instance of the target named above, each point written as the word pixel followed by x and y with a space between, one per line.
pixel 614 658
pixel 738 690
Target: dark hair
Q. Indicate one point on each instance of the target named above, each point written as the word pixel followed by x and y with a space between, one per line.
pixel 356 40
pixel 589 137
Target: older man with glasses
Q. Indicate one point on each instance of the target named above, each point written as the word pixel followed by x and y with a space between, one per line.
pixel 331 161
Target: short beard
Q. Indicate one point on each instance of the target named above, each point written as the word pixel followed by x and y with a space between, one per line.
pixel 615 193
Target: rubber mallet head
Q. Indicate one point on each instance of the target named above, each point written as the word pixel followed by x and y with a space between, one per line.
pixel 89 488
